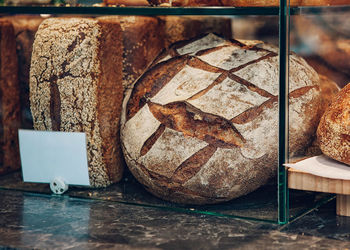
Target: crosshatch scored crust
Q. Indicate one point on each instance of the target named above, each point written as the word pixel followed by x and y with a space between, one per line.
pixel 197 129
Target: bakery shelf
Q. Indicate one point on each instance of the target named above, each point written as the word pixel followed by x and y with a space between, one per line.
pixel 153 11
pixel 317 10
pixel 269 203
pixel 256 206
pixel 149 11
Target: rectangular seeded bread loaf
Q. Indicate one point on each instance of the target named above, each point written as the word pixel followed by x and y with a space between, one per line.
pixel 9 100
pixel 77 79
pixel 75 85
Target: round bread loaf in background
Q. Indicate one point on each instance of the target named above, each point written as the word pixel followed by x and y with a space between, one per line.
pixel 333 132
pixel 201 125
pixel 329 90
pixel 324 41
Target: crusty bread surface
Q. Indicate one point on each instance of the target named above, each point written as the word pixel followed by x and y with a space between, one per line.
pixel 333 132
pixel 25 27
pixel 9 100
pixel 80 69
pixel 76 86
pixel 201 125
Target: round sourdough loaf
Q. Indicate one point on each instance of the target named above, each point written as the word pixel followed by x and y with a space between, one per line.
pixel 327 46
pixel 333 131
pixel 201 125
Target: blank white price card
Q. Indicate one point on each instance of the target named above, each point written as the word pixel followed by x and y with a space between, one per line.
pixel 46 155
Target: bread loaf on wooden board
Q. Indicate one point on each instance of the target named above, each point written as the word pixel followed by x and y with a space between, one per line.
pixel 9 100
pixel 80 69
pixel 333 132
pixel 201 125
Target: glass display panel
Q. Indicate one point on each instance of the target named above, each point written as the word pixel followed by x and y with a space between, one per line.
pixel 321 36
pixel 249 82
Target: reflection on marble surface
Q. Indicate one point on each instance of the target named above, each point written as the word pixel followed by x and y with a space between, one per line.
pixel 261 204
pixel 57 218
pixel 30 221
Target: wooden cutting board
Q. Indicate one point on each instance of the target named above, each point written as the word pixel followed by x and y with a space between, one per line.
pixel 309 182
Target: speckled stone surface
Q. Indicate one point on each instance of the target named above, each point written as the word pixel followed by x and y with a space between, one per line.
pixel 30 221
pixel 261 204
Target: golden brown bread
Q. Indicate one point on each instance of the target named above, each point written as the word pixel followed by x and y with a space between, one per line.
pixel 333 131
pixel 329 89
pixel 9 100
pixel 201 125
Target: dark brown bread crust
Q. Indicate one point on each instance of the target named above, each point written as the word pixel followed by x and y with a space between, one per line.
pixel 210 128
pixel 333 131
pixel 25 27
pixel 179 28
pixel 141 40
pixel 151 82
pixel 329 89
pixel 110 96
pixel 9 100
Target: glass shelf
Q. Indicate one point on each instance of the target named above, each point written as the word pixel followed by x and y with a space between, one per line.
pixel 89 9
pixel 316 10
pixel 255 206
pixel 149 11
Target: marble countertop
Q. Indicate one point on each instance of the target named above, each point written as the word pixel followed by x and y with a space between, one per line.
pixel 42 221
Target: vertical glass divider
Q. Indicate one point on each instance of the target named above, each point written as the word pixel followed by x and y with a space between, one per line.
pixel 283 197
